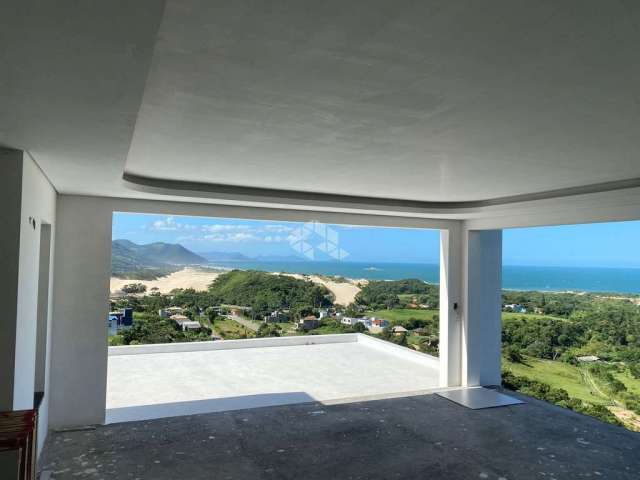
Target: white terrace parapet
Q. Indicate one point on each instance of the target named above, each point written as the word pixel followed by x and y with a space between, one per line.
pixel 398 350
pixel 372 342
pixel 234 344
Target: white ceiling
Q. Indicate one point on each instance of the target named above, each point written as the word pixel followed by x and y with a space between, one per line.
pixel 440 101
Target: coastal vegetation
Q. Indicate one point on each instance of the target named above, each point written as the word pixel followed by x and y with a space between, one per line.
pixel 397 293
pixel 579 351
pixel 264 292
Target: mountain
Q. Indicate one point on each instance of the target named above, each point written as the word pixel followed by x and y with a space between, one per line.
pixel 127 256
pixel 225 256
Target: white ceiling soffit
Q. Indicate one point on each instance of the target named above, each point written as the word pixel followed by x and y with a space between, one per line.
pixel 72 74
pixel 434 106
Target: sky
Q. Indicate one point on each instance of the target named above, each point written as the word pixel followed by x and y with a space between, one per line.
pixel 268 238
pixel 615 244
pixel 595 245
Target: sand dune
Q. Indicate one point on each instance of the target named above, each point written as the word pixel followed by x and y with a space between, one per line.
pixel 197 279
pixel 344 292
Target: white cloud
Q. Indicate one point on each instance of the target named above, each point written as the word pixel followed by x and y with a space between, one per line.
pixel 224 228
pixel 170 224
pixel 218 232
pixel 278 228
pixel 274 238
pixel 235 237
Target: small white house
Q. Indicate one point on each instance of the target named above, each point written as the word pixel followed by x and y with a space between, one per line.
pixel 351 321
pixel 190 325
pixel 588 358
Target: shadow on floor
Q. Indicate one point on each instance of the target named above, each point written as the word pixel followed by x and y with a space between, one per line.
pixel 193 407
pixel 419 437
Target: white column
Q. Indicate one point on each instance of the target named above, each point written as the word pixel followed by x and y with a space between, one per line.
pixel 450 305
pixel 81 306
pixel 481 332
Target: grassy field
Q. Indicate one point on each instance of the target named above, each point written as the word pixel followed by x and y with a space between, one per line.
pixel 529 316
pixel 396 314
pixel 399 314
pixel 632 384
pixel 556 374
pixel 230 329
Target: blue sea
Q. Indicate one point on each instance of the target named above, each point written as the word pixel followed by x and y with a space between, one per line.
pixel 587 279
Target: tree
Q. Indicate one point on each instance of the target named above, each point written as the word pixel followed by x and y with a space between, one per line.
pixel 513 354
pixel 134 288
pixel 269 330
pixel 359 327
pixel 211 314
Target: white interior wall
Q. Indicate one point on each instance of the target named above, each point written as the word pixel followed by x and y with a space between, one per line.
pixel 36 199
pixel 38 202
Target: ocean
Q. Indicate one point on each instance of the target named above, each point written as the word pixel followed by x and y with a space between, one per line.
pixel 587 279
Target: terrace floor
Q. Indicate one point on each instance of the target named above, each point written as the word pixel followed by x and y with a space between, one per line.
pixel 419 437
pixel 156 385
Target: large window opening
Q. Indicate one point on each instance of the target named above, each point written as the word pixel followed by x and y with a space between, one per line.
pixel 214 314
pixel 571 318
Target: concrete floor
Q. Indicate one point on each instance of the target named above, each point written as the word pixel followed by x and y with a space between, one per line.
pixel 168 384
pixel 422 437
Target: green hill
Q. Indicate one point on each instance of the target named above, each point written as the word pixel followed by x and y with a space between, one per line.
pixel 131 260
pixel 265 292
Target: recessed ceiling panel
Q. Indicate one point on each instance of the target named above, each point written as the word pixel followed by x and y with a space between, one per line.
pixel 433 101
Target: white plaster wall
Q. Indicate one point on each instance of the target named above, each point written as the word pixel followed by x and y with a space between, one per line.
pixel 38 201
pixel 81 288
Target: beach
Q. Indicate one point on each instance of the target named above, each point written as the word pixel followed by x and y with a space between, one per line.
pixel 188 277
pixel 199 279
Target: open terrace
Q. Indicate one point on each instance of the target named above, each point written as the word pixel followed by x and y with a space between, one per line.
pixel 153 381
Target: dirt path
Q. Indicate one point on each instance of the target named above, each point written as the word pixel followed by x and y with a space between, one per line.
pixel 250 324
pixel 630 419
pixel 590 381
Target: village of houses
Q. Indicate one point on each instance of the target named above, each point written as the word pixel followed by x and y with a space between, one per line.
pixel 123 319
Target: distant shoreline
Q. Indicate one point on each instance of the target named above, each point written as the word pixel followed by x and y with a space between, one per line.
pixel 199 278
pixel 344 288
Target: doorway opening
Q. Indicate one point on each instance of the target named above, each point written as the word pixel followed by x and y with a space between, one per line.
pixel 43 310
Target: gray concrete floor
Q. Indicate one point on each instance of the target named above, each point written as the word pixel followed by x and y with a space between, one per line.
pixel 141 387
pixel 423 437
